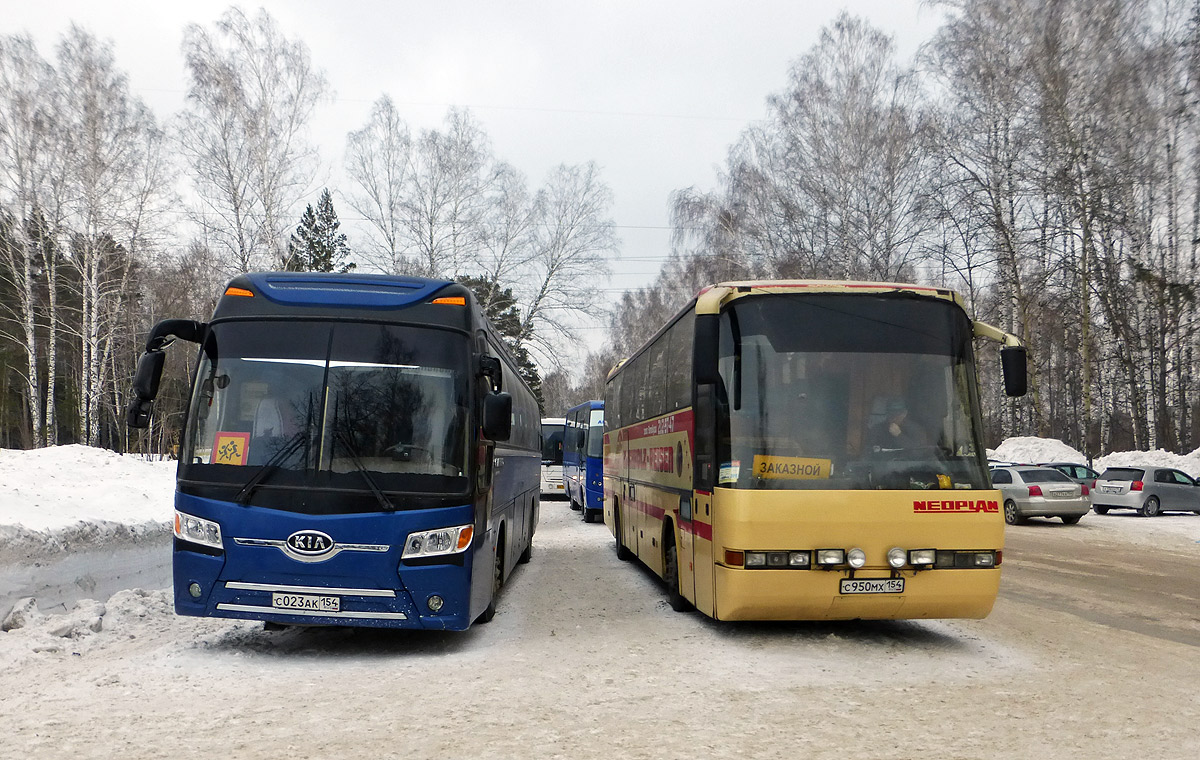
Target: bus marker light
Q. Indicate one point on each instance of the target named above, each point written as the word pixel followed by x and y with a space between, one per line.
pixel 434 603
pixel 922 557
pixel 897 557
pixel 451 300
pixel 231 291
pixel 756 559
pixel 464 538
pixel 798 559
pixel 831 556
pixel 733 558
pixel 856 558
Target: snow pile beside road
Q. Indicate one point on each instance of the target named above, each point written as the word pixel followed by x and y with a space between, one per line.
pixel 55 498
pixel 1189 463
pixel 1032 450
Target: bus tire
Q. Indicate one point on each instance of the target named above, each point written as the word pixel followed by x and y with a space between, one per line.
pixel 489 612
pixel 623 553
pixel 587 516
pixel 671 578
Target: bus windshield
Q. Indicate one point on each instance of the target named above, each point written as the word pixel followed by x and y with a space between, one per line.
pixel 832 391
pixel 595 437
pixel 331 404
pixel 552 444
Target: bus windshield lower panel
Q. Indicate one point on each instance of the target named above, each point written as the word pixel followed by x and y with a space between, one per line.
pixel 838 391
pixel 342 408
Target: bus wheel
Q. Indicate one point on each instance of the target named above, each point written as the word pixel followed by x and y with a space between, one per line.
pixel 489 612
pixel 623 553
pixel 671 578
pixel 587 516
pixel 528 553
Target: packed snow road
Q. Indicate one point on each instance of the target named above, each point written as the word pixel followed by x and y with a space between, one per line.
pixel 585 659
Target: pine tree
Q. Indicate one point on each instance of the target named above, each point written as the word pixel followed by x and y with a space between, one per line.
pixel 500 306
pixel 316 245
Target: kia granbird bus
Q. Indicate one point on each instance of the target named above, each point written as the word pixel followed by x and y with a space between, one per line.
pixel 583 459
pixel 358 450
pixel 809 450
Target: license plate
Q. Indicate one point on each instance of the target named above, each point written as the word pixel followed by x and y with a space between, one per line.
pixel 872 586
pixel 305 603
pixel 1110 489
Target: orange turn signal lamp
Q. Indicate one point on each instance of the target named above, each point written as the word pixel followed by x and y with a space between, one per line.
pixel 232 291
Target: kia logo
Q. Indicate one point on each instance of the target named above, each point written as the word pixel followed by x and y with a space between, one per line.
pixel 310 543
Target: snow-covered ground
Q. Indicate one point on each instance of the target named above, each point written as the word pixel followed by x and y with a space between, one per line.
pixel 583 660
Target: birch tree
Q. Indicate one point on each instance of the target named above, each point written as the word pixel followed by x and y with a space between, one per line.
pixel 116 178
pixel 250 95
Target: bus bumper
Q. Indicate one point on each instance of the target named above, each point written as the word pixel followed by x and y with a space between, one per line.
pixel 814 595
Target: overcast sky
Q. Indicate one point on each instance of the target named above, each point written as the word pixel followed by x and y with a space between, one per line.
pixel 653 92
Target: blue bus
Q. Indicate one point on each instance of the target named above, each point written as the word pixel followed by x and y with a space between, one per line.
pixel 583 459
pixel 358 450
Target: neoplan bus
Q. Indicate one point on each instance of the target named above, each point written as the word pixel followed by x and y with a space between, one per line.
pixel 358 450
pixel 808 451
pixel 583 463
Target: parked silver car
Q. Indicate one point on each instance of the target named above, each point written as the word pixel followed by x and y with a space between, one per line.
pixel 1149 490
pixel 1080 473
pixel 1031 491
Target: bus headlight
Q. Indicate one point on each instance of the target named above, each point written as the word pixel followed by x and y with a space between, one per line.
pixel 831 556
pixel 897 557
pixel 856 558
pixel 197 530
pixel 921 557
pixel 433 543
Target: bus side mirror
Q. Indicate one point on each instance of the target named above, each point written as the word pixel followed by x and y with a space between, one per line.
pixel 497 416
pixel 704 349
pixel 1013 361
pixel 489 367
pixel 145 389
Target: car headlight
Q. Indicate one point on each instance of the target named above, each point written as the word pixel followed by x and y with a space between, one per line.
pixel 197 530
pixel 433 543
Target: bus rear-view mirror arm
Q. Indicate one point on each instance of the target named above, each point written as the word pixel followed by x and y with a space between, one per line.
pixel 1012 358
pixel 150 366
pixel 489 367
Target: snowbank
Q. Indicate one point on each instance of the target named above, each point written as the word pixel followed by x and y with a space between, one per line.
pixel 55 498
pixel 1031 450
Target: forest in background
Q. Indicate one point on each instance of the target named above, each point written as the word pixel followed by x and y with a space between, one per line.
pixel 1041 157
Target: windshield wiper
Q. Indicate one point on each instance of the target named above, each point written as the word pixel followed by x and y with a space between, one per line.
pixel 383 500
pixel 289 448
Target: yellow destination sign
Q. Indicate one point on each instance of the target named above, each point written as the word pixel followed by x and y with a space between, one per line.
pixel 792 468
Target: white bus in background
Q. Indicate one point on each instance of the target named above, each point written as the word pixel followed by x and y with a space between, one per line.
pixel 552 456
